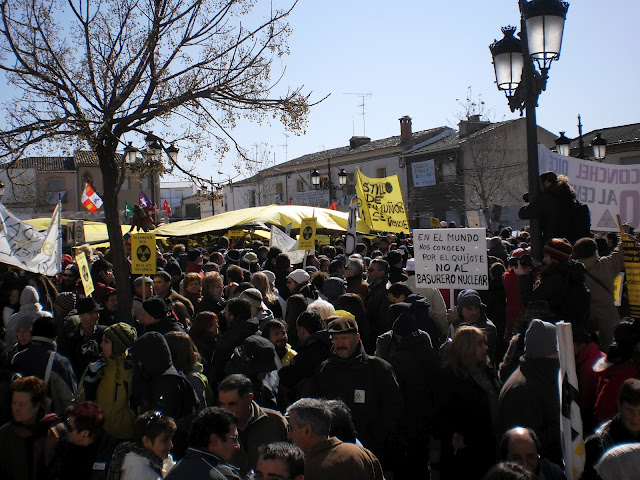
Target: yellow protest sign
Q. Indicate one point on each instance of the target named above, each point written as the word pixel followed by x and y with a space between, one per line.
pixel 323 239
pixel 85 274
pixel 617 289
pixel 236 233
pixel 143 253
pixel 307 240
pixel 631 250
pixel 380 203
pixel 435 222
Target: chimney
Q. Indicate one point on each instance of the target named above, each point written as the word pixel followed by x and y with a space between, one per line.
pixel 405 129
pixel 471 125
pixel 355 142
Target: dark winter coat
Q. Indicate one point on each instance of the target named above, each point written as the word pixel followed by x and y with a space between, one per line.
pixel 312 351
pixel 553 209
pixel 530 398
pixel 369 388
pixel 82 349
pixel 211 303
pixel 463 406
pixel 396 274
pixel 201 464
pixel 336 460
pixel 234 336
pixel 378 307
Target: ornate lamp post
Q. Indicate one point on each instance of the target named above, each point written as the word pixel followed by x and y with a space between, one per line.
pixel 542 26
pixel 316 177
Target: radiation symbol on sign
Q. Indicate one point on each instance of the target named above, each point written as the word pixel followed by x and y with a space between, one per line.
pixel 47 249
pixel 388 187
pixel 307 232
pixel 143 253
pixel 85 273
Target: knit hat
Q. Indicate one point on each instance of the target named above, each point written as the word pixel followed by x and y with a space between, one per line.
pixel 343 325
pixel 333 287
pixel 87 305
pixel 299 276
pixel 541 339
pixel 122 337
pixel 232 256
pixel 25 322
pixel 469 298
pixel 559 250
pixel 66 301
pixel 156 307
pixel 44 327
pixel 270 276
pixel 260 353
pixel 253 296
pixel 310 269
pixel 405 324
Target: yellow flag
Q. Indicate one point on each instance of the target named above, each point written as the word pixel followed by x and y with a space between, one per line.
pixel 380 203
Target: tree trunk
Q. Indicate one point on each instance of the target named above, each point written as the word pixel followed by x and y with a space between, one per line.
pixel 108 166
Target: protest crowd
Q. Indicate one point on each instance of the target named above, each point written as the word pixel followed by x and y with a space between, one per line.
pixel 234 363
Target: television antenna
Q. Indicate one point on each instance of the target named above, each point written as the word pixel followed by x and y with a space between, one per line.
pixel 363 96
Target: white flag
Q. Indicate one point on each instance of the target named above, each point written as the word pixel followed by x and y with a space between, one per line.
pixel 570 418
pixel 287 244
pixel 23 246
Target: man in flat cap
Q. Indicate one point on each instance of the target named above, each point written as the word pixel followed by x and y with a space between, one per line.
pixel 365 383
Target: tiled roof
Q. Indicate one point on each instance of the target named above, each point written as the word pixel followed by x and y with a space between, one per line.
pixel 321 157
pixel 89 158
pixel 46 164
pixel 614 135
pixel 453 141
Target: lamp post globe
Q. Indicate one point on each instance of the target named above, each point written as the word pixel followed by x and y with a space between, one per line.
pixel 544 21
pixel 315 177
pixel 599 146
pixel 563 145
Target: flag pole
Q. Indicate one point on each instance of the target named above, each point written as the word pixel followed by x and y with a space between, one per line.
pixel 60 233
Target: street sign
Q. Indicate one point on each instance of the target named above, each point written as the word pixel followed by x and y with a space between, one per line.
pixel 307 240
pixel 85 274
pixel 143 253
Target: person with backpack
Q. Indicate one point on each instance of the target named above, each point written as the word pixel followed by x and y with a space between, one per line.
pixel 559 213
pixel 600 273
pixel 561 285
pixel 158 386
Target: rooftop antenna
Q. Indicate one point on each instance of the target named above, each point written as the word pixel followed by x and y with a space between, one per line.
pixel 286 147
pixel 363 95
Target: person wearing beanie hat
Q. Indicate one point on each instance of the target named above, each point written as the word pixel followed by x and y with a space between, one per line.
pixel 354 272
pixel 470 311
pixel 34 361
pixel 562 285
pixel 259 310
pixel 530 397
pixel 298 282
pixel 23 333
pixel 104 379
pixel 155 316
pixel 332 288
pixel 83 345
pixel 29 305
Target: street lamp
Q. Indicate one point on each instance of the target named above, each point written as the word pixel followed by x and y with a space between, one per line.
pixel 316 178
pixel 563 145
pixel 542 26
pixel 342 177
pixel 599 146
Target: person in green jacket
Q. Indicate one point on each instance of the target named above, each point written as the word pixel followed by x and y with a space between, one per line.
pixel 108 383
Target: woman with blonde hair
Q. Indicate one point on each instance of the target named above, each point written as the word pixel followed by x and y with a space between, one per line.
pixel 212 294
pixel 467 407
pixel 260 281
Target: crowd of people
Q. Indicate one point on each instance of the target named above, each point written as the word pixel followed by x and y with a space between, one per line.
pixel 233 363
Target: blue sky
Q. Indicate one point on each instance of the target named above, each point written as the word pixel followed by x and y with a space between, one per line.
pixel 417 57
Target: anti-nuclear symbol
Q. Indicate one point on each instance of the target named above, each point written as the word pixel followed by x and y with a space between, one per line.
pixel 143 253
pixel 306 234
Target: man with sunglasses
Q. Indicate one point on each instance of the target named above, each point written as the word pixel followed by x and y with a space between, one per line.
pixel 213 439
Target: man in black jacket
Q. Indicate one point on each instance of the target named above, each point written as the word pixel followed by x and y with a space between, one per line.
pixel 366 384
pixel 377 301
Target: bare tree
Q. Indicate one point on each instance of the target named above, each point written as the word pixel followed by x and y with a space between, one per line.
pixel 95 70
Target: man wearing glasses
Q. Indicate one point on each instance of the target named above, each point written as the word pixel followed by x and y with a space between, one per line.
pixel 213 439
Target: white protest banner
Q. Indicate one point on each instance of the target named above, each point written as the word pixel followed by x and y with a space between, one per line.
pixel 350 237
pixel 287 244
pixel 424 173
pixel 451 258
pixel 608 190
pixel 23 246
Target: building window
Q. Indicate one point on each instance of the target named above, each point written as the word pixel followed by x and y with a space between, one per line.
pixel 125 184
pixel 300 186
pixel 280 192
pixel 381 172
pixel 55 185
pixel 252 198
pixel 449 172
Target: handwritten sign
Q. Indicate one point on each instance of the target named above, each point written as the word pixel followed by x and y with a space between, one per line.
pixel 380 203
pixel 424 173
pixel 451 258
pixel 632 270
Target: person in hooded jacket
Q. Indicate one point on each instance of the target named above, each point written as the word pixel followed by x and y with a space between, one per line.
pixel 157 385
pixel 469 311
pixel 155 316
pixel 29 305
pixel 109 382
pixel 240 325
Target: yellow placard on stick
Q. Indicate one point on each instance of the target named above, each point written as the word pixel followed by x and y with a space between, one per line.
pixel 143 253
pixel 435 222
pixel 85 274
pixel 307 240
pixel 380 203
pixel 236 233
